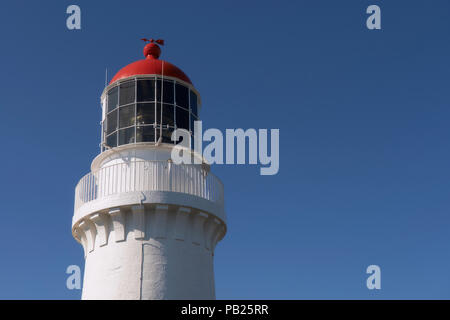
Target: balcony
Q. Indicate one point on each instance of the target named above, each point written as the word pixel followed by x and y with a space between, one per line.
pixel 142 178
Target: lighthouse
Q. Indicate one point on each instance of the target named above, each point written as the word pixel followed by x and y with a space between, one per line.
pixel 148 226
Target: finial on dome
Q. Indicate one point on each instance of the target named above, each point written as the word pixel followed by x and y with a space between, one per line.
pixel 151 49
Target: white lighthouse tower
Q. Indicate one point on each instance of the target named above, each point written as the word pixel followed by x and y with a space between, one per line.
pixel 148 227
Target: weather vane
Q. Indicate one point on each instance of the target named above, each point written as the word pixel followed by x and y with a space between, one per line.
pixel 159 41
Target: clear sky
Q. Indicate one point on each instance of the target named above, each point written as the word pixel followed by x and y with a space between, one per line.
pixel 364 138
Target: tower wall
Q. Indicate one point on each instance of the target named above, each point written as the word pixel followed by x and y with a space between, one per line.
pixel 150 252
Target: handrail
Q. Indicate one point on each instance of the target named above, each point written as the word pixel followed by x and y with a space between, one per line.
pixel 142 176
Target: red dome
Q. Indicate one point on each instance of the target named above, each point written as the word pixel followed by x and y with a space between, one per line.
pixel 150 65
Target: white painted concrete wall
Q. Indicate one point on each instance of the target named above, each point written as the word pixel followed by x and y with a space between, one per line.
pixel 171 249
pixel 130 152
pixel 160 248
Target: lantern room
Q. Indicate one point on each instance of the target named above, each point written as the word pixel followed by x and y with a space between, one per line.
pixel 146 101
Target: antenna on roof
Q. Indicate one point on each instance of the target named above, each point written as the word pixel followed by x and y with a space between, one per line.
pixel 106 77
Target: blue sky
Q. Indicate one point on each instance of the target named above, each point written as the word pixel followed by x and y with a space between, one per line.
pixel 364 135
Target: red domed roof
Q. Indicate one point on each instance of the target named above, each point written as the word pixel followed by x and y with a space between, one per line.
pixel 151 65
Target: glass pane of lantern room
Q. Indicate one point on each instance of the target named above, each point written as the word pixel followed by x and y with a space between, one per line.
pixel 192 122
pixel 111 141
pixel 182 118
pixel 167 91
pixel 145 113
pixel 145 134
pixel 145 90
pixel 167 115
pixel 126 136
pixel 182 96
pixel 166 135
pixel 193 100
pixel 126 116
pixel 111 122
pixel 158 113
pixel 112 99
pixel 126 92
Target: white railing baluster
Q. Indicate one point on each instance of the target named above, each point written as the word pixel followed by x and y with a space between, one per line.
pixel 141 176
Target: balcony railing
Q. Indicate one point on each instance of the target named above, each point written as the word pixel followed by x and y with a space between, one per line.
pixel 141 176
